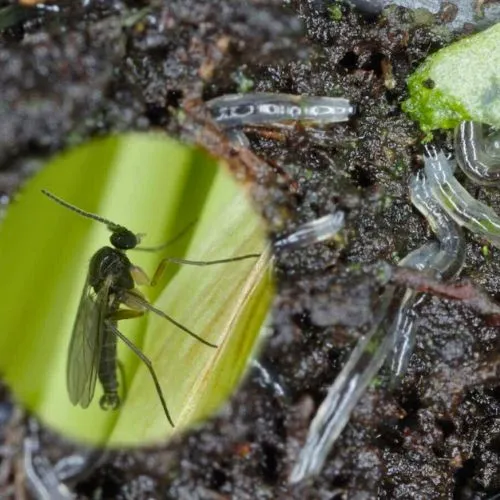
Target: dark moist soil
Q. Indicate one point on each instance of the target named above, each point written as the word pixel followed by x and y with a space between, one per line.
pixel 97 67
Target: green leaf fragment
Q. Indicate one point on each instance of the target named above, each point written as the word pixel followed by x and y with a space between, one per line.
pixel 335 12
pixel 154 185
pixel 459 82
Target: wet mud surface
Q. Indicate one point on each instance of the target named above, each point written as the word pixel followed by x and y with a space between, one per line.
pixel 96 67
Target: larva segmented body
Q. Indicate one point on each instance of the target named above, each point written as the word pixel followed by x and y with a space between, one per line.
pixel 478 154
pixel 235 111
pixel 394 331
pixel 276 110
pixel 320 229
pixel 444 203
pixel 455 199
pixel 445 258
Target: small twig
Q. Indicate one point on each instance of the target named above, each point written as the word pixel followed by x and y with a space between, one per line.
pixel 247 167
pixel 465 292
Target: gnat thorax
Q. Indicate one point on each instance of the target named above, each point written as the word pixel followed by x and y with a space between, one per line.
pixel 110 263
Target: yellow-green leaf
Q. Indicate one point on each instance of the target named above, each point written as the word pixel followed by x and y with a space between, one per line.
pixel 154 185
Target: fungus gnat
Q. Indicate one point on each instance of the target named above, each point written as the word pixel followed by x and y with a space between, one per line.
pixel 111 283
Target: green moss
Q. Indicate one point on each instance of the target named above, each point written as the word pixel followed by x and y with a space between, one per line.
pixel 244 83
pixel 400 167
pixel 432 108
pixel 485 251
pixel 460 82
pixel 335 12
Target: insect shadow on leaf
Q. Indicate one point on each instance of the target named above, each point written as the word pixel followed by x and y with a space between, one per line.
pixel 111 283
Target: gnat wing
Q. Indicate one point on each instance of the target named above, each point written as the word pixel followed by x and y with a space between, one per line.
pixel 86 344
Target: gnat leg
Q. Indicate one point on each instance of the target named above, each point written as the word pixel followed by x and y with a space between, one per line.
pixel 173 260
pixel 148 364
pixel 135 300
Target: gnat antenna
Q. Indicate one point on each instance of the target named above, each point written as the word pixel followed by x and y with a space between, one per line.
pixel 110 225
